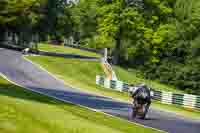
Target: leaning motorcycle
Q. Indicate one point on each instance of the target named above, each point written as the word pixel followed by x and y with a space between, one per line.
pixel 139 109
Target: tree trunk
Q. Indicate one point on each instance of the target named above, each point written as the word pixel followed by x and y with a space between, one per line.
pixel 2 35
pixel 116 52
pixel 13 38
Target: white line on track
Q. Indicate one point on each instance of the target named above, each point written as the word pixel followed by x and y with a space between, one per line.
pixel 72 102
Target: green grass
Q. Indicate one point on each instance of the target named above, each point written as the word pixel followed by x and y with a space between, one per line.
pixel 78 73
pixel 67 50
pixel 124 75
pixel 190 113
pixel 27 112
pixel 82 74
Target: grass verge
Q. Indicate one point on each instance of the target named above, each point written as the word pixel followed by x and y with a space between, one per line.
pixel 67 50
pixel 81 74
pixel 124 75
pixel 27 112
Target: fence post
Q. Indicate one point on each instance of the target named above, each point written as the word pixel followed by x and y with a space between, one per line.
pixel 197 103
pixel 189 101
pixel 177 99
pixel 113 84
pixel 98 80
pixel 106 83
pixel 157 95
pixel 166 97
pixel 119 85
pixel 186 100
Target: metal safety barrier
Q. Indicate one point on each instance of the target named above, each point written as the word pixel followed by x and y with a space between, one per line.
pixel 184 100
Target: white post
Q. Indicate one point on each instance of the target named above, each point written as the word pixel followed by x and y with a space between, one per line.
pixel 65 41
pixel 166 97
pixel 98 79
pixel 120 85
pixel 189 101
pixel 107 83
pixel 105 54
pixel 16 39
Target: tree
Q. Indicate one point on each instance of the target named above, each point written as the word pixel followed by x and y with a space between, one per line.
pixel 43 17
pixel 115 20
pixel 56 22
pixel 20 17
pixel 84 21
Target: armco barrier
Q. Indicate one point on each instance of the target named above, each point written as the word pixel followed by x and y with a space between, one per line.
pixel 185 100
pixel 47 53
pixel 85 49
pixel 117 85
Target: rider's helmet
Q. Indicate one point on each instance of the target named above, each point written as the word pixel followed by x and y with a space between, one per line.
pixel 143 92
pixel 142 85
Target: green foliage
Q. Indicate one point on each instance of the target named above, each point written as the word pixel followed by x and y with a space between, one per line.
pixel 27 18
pixel 156 36
pixel 84 18
pixel 15 12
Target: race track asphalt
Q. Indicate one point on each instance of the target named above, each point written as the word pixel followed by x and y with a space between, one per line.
pixel 24 73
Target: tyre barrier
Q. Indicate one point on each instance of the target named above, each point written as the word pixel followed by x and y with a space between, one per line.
pixel 184 100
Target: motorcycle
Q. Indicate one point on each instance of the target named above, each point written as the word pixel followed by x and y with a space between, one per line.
pixel 139 109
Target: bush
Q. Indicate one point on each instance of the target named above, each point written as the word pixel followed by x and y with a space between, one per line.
pixel 183 76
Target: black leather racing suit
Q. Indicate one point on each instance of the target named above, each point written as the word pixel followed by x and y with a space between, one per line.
pixel 147 100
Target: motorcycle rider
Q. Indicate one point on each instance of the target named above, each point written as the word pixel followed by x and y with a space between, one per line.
pixel 142 95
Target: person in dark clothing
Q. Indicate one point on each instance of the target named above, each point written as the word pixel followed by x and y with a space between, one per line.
pixel 142 95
